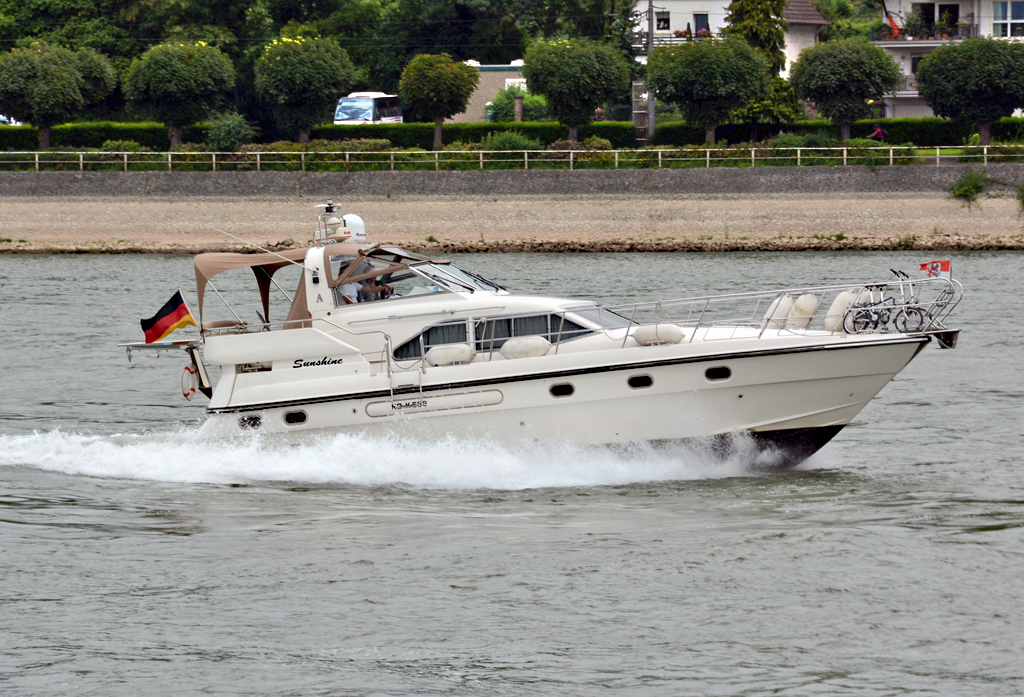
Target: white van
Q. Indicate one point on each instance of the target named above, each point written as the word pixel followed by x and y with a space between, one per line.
pixel 368 107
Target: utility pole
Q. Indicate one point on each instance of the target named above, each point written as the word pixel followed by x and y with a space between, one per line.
pixel 650 92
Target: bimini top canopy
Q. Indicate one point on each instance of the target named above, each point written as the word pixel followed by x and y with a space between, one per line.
pixel 265 265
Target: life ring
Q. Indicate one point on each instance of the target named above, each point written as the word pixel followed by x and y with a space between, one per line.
pixel 189 383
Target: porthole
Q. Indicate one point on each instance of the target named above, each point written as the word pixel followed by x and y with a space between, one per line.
pixel 295 417
pixel 252 421
pixel 639 382
pixel 719 372
pixel 565 389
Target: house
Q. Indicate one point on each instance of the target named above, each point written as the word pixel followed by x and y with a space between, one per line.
pixel 916 34
pixel 673 17
pixel 493 79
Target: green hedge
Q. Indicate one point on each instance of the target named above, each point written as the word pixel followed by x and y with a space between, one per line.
pixel 421 135
pixel 928 132
pixel 94 133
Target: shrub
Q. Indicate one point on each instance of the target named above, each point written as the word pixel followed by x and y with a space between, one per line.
pixel 786 140
pixel 365 145
pixel 502 108
pixel 968 186
pixel 123 146
pixel 229 132
pixel 509 140
pixel 566 145
pixel 820 139
pixel 596 143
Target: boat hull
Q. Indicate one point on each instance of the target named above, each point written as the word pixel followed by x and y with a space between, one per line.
pixel 791 400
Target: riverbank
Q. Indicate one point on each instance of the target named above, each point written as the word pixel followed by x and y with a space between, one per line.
pixel 830 209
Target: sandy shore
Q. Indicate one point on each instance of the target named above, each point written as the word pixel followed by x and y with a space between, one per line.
pixel 521 223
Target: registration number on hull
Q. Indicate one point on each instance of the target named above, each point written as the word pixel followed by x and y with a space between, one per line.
pixel 442 402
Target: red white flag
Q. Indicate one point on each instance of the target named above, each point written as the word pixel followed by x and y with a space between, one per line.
pixel 936 269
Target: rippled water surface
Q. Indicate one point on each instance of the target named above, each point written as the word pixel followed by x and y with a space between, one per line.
pixel 133 561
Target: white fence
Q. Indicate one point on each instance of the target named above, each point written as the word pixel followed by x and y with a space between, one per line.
pixel 491 159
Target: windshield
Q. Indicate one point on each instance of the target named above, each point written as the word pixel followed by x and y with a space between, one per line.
pixel 456 278
pixel 354 109
pixel 601 317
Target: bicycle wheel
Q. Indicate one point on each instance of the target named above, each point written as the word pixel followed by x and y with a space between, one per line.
pixel 860 320
pixel 909 319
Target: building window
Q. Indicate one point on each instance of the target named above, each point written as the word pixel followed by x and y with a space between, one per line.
pixel 1008 18
pixel 661 21
pixel 700 22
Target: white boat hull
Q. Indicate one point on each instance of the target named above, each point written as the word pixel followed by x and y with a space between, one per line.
pixel 791 397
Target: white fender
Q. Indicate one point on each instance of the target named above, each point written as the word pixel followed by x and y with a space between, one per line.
pixel 834 317
pixel 779 310
pixel 525 347
pixel 449 354
pixel 802 312
pixel 651 334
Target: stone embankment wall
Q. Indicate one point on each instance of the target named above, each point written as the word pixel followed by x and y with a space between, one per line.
pixel 716 181
pixel 670 210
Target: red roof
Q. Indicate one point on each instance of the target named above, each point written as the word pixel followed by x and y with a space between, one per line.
pixel 803 12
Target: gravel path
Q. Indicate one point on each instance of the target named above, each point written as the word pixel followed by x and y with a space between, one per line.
pixel 520 223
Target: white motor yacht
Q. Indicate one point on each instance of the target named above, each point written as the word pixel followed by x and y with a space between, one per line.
pixel 379 340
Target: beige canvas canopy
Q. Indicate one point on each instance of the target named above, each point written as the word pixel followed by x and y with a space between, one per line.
pixel 265 265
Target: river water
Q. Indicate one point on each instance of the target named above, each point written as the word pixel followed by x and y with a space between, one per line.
pixel 135 562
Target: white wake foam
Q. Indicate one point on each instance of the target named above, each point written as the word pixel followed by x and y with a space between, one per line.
pixel 347 459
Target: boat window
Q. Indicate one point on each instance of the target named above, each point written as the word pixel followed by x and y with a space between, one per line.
pixel 602 317
pixel 377 279
pixel 491 334
pixel 450 333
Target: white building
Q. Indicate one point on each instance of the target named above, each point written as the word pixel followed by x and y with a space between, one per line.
pixel 942 23
pixel 673 17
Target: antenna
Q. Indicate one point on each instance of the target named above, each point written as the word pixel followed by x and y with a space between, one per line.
pixel 252 244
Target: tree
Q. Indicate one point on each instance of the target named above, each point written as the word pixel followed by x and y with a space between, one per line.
pixel 304 78
pixel 779 104
pixel 576 76
pixel 762 25
pixel 45 85
pixel 437 88
pixel 840 76
pixel 181 83
pixel 707 79
pixel 978 80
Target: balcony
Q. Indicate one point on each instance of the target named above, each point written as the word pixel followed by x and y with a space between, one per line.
pixel 907 84
pixel 958 32
pixel 639 40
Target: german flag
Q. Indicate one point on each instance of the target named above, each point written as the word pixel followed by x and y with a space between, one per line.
pixel 173 315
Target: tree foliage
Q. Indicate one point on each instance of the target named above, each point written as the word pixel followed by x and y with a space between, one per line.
pixel 978 80
pixel 180 83
pixel 707 79
pixel 45 84
pixel 437 88
pixel 576 76
pixel 502 108
pixel 840 76
pixel 761 23
pixel 304 78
